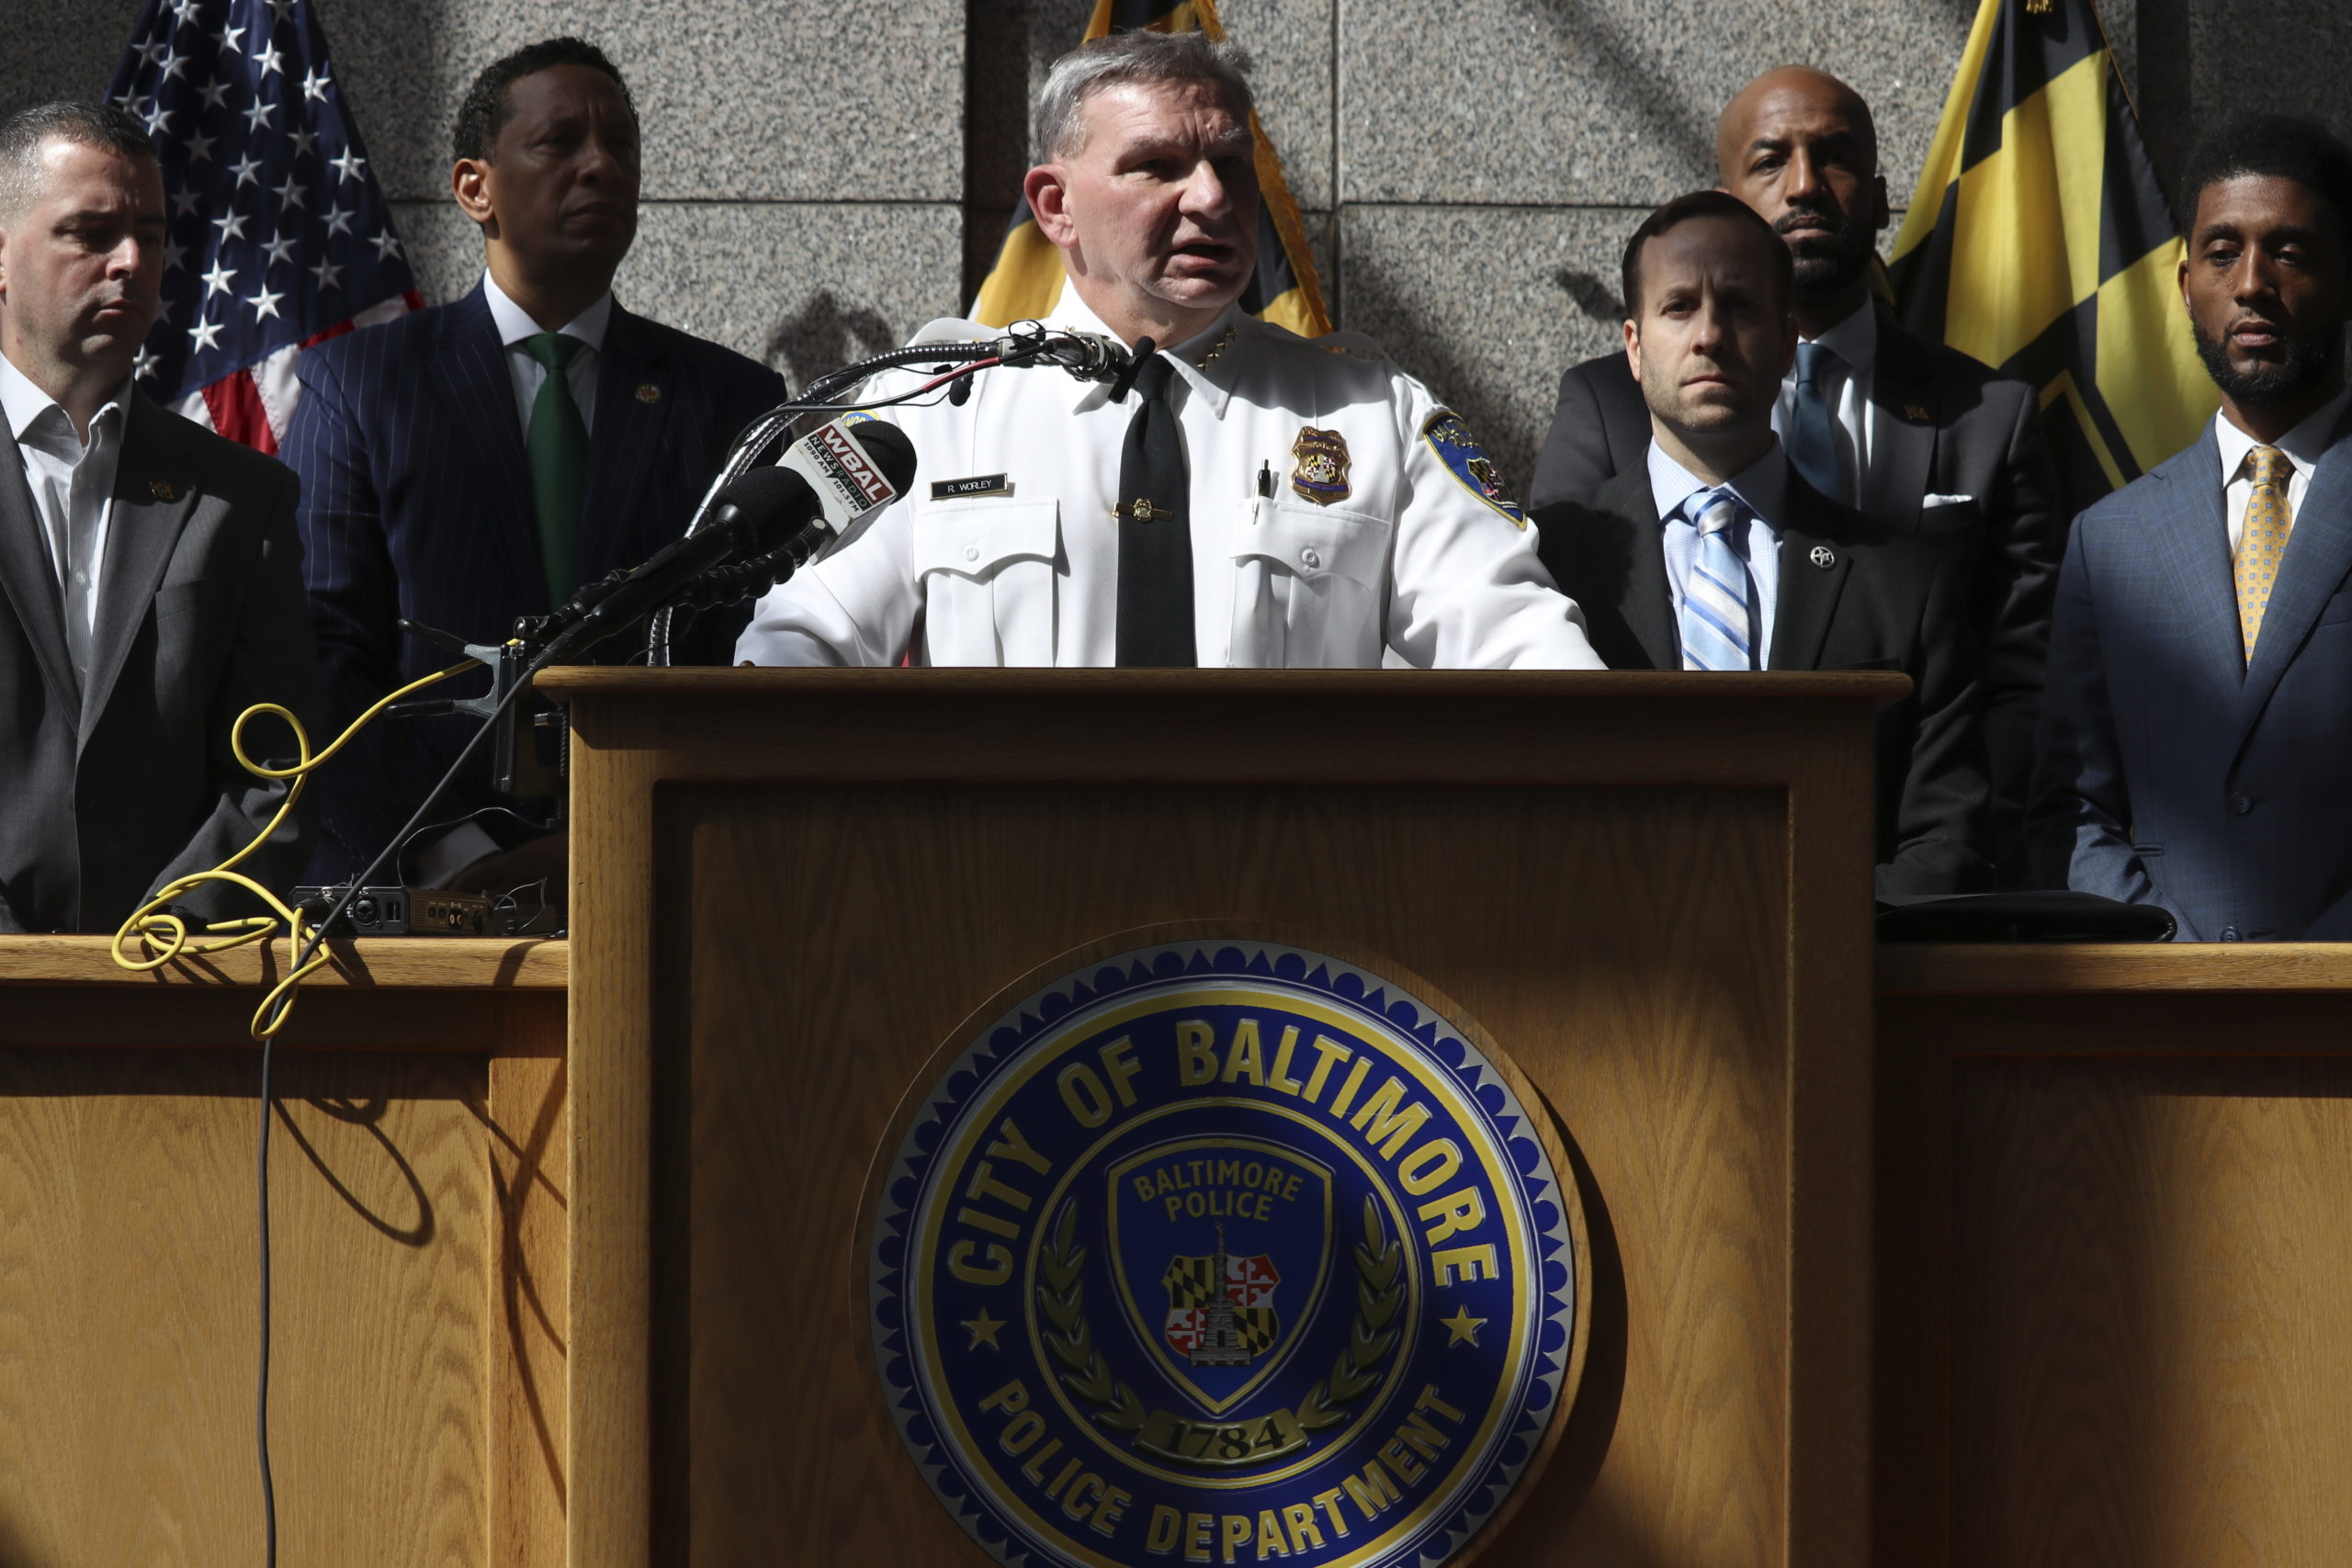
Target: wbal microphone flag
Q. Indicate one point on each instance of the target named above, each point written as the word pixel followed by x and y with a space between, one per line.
pixel 1027 278
pixel 278 236
pixel 2040 243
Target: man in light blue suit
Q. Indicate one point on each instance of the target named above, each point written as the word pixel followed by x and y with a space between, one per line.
pixel 2196 746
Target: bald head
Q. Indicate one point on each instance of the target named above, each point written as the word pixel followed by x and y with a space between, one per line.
pixel 1788 93
pixel 1798 145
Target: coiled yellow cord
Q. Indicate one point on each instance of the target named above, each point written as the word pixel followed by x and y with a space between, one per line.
pixel 165 935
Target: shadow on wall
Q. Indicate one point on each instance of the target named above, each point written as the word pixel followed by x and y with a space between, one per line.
pixel 1509 426
pixel 60 52
pixel 1590 295
pixel 1652 101
pixel 825 333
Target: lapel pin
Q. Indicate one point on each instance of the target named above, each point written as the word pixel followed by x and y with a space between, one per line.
pixel 1915 413
pixel 161 490
pixel 1824 557
pixel 649 393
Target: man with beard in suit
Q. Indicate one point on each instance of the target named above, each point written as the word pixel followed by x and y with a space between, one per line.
pixel 2197 742
pixel 1714 553
pixel 1919 437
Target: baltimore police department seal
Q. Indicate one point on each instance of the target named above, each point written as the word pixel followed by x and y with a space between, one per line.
pixel 1223 1251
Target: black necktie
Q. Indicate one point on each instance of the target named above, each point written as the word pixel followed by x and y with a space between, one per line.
pixel 1155 530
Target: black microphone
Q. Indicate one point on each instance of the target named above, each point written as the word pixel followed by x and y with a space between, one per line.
pixel 758 512
pixel 855 467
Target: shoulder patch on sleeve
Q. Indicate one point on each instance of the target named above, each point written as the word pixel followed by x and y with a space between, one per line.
pixel 1467 461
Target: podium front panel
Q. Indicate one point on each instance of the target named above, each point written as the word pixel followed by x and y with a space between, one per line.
pixel 792 889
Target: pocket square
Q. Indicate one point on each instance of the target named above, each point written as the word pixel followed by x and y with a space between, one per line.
pixel 1928 503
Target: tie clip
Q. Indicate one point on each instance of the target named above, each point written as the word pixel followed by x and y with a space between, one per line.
pixel 1140 510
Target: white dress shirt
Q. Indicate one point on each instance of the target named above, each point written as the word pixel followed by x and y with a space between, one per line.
pixel 515 326
pixel 1846 384
pixel 73 486
pixel 1007 552
pixel 1764 486
pixel 2305 446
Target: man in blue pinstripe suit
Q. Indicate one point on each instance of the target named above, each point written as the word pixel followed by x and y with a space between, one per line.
pixel 472 463
pixel 2197 739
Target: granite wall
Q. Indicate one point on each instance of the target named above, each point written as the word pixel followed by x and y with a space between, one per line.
pixel 823 176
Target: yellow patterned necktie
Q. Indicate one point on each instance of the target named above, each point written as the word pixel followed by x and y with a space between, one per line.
pixel 2261 539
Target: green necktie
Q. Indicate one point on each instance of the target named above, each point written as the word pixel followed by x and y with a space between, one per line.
pixel 558 448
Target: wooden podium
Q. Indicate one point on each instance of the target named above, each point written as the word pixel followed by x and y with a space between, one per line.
pixel 2097 1317
pixel 789 888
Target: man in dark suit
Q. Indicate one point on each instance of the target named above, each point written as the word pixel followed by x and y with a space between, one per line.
pixel 2197 743
pixel 150 585
pixel 1917 436
pixel 470 464
pixel 1711 552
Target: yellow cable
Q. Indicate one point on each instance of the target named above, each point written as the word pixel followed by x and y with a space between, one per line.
pixel 166 935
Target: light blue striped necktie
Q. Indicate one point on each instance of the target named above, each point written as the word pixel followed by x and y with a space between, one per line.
pixel 1715 602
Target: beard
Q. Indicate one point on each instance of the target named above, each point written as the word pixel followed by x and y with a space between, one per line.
pixel 2311 359
pixel 1827 263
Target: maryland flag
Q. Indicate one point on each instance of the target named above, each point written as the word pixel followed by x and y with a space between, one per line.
pixel 1027 278
pixel 1249 1289
pixel 2039 243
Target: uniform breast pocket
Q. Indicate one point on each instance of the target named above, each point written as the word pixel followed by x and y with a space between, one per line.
pixel 987 569
pixel 1311 584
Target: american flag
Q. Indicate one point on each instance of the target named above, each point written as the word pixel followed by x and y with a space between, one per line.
pixel 279 235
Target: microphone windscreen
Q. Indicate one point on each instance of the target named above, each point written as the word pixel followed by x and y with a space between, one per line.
pixel 770 504
pixel 890 450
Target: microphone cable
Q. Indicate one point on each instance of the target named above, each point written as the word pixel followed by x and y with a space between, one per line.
pixel 164 932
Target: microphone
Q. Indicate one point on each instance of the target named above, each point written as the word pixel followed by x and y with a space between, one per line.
pixel 851 467
pixel 757 512
pixel 1090 357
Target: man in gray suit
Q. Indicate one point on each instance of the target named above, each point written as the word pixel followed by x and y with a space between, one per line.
pixel 150 580
pixel 1917 436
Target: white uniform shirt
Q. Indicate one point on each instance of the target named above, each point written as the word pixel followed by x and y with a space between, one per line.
pixel 1407 557
pixel 1846 387
pixel 1764 486
pixel 516 326
pixel 73 486
pixel 2305 446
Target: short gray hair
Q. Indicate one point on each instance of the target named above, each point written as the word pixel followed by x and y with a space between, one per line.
pixel 24 133
pixel 1138 56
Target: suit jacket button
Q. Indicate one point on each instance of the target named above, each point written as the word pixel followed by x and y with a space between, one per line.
pixel 2229 933
pixel 2240 805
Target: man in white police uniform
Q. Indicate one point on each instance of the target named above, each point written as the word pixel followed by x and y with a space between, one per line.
pixel 1261 500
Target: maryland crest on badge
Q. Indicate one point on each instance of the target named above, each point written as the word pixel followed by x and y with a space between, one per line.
pixel 1322 471
pixel 1468 463
pixel 1225 1251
